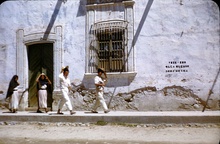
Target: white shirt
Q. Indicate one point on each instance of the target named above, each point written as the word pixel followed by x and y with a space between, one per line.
pixel 99 80
pixel 64 82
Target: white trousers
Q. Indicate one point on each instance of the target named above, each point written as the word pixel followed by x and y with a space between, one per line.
pixel 100 100
pixel 14 100
pixel 42 98
pixel 65 100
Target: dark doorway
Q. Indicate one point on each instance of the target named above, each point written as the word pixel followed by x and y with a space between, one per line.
pixel 40 59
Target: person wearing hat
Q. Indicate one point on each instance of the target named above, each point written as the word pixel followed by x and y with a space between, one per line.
pixel 42 84
pixel 65 87
pixel 100 83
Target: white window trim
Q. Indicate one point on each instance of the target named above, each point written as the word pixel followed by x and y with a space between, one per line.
pixel 129 16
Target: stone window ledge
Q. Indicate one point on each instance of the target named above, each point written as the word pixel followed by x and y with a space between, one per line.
pixel 94 5
pixel 113 74
pixel 115 79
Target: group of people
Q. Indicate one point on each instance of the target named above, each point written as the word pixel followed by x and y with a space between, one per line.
pixel 65 86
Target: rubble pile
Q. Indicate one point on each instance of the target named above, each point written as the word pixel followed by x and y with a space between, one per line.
pixel 171 98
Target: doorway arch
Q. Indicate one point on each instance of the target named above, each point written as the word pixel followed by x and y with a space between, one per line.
pixel 22 67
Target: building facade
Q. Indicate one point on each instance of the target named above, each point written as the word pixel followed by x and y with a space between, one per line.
pixel 156 53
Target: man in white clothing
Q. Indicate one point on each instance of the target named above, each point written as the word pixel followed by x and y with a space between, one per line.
pixel 65 87
pixel 100 83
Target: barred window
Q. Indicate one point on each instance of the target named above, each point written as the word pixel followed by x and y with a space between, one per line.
pixel 111 51
pixel 108 48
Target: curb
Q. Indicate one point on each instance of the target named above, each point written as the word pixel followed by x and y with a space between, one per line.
pixel 117 117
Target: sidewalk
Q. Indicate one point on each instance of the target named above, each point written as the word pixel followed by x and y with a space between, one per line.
pixel 150 117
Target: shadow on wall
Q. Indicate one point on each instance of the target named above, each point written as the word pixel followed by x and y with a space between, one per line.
pixel 143 19
pixel 140 26
pixel 53 18
pixel 82 8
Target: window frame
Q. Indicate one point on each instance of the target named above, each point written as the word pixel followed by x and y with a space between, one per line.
pixel 93 17
pixel 101 28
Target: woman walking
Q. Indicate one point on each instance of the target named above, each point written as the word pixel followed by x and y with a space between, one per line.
pixel 12 94
pixel 42 84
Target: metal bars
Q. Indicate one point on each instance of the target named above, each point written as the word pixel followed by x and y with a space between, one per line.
pixel 109 44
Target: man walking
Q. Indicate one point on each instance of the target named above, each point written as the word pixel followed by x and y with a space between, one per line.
pixel 65 87
pixel 100 83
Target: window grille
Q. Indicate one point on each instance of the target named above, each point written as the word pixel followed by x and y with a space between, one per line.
pixel 109 46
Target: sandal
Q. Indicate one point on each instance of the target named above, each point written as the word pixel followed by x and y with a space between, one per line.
pixel 71 113
pixel 38 111
pixel 93 111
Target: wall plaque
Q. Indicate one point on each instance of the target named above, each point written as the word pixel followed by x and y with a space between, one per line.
pixel 177 67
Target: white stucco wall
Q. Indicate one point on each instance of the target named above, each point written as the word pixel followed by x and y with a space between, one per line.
pixel 178 32
pixel 34 17
pixel 165 31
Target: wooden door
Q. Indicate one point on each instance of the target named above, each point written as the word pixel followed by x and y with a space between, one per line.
pixel 40 59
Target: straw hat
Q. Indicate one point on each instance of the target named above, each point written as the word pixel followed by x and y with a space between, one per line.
pixel 102 69
pixel 62 69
